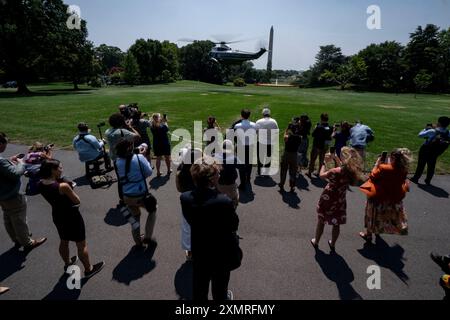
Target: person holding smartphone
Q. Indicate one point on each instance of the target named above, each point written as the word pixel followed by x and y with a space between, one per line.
pixel 332 206
pixel 161 142
pixel 341 136
pixel 385 190
pixel 13 202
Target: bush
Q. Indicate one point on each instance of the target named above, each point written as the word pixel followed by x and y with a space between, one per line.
pixel 166 77
pixel 95 83
pixel 239 82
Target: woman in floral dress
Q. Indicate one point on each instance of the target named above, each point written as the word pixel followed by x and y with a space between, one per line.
pixel 332 207
pixel 386 189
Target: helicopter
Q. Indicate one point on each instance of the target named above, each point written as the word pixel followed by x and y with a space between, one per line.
pixel 223 54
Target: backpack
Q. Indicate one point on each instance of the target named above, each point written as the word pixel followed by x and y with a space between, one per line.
pixel 440 142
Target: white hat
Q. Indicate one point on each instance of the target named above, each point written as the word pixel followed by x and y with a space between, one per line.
pixel 266 112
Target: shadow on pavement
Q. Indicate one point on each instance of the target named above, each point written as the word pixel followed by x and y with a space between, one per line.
pixel 247 195
pixel 158 182
pixel 184 281
pixel 11 262
pixel 336 269
pixel 291 198
pixel 433 190
pixel 265 181
pixel 387 257
pixel 82 181
pixel 302 183
pixel 135 265
pixel 115 217
pixel 318 183
pixel 62 292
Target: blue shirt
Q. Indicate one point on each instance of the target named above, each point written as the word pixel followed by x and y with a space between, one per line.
pixel 89 148
pixel 429 134
pixel 136 185
pixel 358 135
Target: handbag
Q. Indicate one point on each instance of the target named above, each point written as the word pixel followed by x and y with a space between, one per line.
pixel 235 253
pixel 150 202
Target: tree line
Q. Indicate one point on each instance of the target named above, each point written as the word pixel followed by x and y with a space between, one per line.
pixel 422 65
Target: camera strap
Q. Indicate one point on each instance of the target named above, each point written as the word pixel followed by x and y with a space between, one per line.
pixel 83 137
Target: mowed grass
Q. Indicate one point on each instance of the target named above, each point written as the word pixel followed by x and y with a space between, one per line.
pixel 51 113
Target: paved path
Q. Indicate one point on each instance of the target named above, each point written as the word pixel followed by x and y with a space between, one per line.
pixel 279 261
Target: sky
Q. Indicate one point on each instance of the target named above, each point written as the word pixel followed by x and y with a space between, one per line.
pixel 301 26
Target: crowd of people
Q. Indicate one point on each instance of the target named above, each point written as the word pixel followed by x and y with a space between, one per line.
pixel 208 185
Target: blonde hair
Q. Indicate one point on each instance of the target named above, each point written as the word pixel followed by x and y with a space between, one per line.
pixel 37 147
pixel 156 117
pixel 402 159
pixel 352 165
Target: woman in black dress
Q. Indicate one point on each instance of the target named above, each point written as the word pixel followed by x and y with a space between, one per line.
pixel 66 215
pixel 161 143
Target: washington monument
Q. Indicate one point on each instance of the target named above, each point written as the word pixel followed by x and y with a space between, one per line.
pixel 269 62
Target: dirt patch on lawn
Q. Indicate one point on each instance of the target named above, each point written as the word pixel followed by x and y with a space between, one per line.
pixel 391 107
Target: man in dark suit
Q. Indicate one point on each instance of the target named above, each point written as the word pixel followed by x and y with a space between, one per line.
pixel 214 223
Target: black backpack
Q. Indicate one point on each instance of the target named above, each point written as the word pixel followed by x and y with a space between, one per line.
pixel 440 142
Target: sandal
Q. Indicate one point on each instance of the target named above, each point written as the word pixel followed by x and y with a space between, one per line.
pixel 314 244
pixel 366 237
pixel 332 248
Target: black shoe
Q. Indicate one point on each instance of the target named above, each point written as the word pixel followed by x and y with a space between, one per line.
pixel 96 268
pixel 441 261
pixel 414 180
pixel 427 183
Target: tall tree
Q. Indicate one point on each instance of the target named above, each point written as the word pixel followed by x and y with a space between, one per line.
pixel 423 52
pixel 109 57
pixel 131 69
pixel 329 58
pixel 385 67
pixel 195 63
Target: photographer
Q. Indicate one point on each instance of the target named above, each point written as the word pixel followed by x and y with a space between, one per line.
pixel 133 170
pixel 161 143
pixel 127 110
pixel 436 143
pixel 12 202
pixel 141 125
pixel 321 142
pixel 89 148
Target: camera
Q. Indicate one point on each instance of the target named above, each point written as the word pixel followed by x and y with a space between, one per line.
pixel 49 147
pixel 101 124
pixel 128 109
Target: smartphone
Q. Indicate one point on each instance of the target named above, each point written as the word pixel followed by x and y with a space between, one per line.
pixel 332 150
pixel 21 156
pixel 165 116
pixel 384 156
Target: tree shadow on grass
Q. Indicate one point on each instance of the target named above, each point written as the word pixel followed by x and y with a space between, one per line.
pixel 46 93
pixel 184 282
pixel 387 257
pixel 336 269
pixel 135 265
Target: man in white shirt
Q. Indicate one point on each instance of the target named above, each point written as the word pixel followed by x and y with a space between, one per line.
pixel 246 133
pixel 265 145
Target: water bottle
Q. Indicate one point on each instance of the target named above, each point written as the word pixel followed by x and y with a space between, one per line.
pixel 130 218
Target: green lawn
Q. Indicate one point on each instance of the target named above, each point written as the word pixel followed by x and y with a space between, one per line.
pixel 52 112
